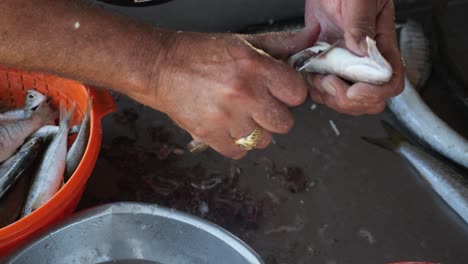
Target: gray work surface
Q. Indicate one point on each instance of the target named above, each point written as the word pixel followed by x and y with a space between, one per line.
pixel 314 196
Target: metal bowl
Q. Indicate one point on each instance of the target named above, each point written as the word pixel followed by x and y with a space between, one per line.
pixel 135 233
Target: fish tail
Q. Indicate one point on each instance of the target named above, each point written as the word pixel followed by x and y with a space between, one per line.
pixel 392 142
pixel 88 109
pixel 66 116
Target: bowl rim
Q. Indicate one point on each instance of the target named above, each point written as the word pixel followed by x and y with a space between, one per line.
pixel 142 208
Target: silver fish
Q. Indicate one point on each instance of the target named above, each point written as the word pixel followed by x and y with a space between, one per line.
pixel 14 133
pixel 50 173
pixel 76 151
pixel 341 62
pixel 415 50
pixel 11 204
pixel 445 181
pixel 31 101
pixel 410 109
pixel 12 169
pixel 50 131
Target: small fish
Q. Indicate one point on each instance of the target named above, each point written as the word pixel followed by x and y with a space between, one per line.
pixel 11 204
pixel 14 133
pixel 31 101
pixel 49 176
pixel 410 109
pixel 446 182
pixel 13 168
pixel 50 131
pixel 338 61
pixel 76 151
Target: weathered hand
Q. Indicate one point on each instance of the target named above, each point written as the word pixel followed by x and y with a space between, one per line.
pixel 219 87
pixel 353 20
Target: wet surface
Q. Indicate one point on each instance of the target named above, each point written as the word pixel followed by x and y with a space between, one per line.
pixel 315 196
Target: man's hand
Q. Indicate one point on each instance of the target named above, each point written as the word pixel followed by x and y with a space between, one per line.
pixel 353 20
pixel 219 87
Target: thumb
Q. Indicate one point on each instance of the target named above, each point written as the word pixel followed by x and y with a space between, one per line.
pixel 282 45
pixel 359 22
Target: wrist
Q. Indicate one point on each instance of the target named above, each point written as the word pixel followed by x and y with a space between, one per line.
pixel 144 74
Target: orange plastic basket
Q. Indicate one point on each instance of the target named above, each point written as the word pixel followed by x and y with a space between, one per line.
pixel 13 87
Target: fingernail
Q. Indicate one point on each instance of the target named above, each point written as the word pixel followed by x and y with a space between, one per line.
pixel 358 97
pixel 363 46
pixel 329 88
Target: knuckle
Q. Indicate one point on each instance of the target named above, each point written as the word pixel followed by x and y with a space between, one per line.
pixel 265 141
pixel 236 89
pixel 298 97
pixel 217 116
pixel 376 109
pixel 286 125
pixel 249 61
pixel 350 108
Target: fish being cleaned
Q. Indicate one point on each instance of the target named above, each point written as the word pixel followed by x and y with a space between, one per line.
pixel 12 169
pixel 451 186
pixel 14 133
pixel 327 59
pixel 410 109
pixel 49 176
pixel 76 151
pixel 31 101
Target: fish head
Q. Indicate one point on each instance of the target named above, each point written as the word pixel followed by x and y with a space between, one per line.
pixel 45 112
pixel 32 100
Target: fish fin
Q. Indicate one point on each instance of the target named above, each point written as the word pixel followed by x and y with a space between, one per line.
pixel 375 55
pixel 66 116
pixel 74 129
pixel 392 142
pixel 88 109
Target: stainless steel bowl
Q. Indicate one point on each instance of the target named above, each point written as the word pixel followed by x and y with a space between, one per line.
pixel 135 233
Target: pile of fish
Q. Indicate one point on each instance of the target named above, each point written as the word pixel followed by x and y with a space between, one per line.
pixel 34 157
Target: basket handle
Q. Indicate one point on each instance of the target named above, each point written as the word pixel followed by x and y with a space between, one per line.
pixel 103 103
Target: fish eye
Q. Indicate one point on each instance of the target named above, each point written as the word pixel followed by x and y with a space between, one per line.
pixel 30 96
